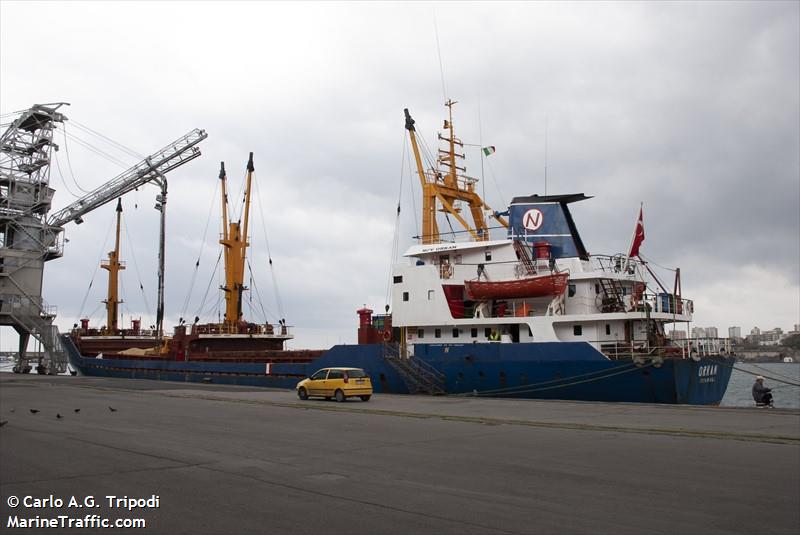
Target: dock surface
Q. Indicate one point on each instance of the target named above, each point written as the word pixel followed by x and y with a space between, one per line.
pixel 225 459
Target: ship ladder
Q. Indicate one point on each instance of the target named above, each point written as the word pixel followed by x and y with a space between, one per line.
pixel 418 376
pixel 612 295
pixel 524 258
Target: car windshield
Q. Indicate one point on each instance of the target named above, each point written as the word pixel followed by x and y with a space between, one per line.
pixel 356 373
pixel 319 375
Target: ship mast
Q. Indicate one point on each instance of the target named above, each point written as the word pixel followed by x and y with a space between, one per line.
pixel 449 187
pixel 234 242
pixel 113 265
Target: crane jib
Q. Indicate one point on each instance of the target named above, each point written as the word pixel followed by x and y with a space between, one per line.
pixel 153 167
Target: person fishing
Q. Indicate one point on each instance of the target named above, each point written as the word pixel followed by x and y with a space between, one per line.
pixel 761 394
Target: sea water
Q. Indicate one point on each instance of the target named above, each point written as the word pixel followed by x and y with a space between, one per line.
pixel 776 376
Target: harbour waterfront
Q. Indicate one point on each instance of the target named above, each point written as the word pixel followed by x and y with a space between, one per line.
pixel 739 388
pixel 738 393
pixel 242 460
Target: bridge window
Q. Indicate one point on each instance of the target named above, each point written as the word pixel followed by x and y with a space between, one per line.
pixel 420 333
pixel 608 328
pixel 405 296
pixel 571 290
pixel 487 332
pixel 473 332
pixel 437 333
pixel 577 330
pixel 488 255
pixel 455 333
pixel 398 279
pixel 597 289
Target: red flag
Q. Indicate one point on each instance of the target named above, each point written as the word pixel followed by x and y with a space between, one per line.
pixel 638 235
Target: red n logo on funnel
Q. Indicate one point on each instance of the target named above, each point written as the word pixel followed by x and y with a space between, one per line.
pixel 533 219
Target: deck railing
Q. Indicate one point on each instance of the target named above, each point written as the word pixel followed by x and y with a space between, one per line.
pixel 249 328
pixel 683 348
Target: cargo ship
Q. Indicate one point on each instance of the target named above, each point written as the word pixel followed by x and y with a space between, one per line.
pixel 526 314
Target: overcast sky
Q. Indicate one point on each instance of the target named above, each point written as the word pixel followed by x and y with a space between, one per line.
pixel 690 108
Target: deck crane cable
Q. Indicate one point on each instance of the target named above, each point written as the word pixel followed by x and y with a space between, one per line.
pixel 208 288
pixel 200 254
pixel 61 175
pixel 130 248
pixel 95 311
pixel 651 261
pixel 260 301
pixel 273 275
pixel 122 304
pixel 496 184
pixel 427 155
pixel 396 238
pixel 480 151
pixel 69 162
pixel 9 114
pixel 411 192
pixel 96 267
pixel 94 149
pixel 113 143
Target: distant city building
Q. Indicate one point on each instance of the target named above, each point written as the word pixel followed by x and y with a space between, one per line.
pixel 755 331
pixel 734 332
pixel 698 332
pixel 770 338
pixel 677 335
pixel 705 332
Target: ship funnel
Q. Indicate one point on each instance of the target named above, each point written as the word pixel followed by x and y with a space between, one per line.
pixel 541 219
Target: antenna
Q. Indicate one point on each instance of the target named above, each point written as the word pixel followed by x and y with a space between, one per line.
pixel 439 52
pixel 546 121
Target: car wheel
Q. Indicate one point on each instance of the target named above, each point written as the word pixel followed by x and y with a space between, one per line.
pixel 302 394
pixel 339 395
pixel 365 398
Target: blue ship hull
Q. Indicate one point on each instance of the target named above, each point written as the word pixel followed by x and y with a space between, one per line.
pixel 557 370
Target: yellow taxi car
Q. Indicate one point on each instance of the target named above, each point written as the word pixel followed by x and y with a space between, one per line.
pixel 338 383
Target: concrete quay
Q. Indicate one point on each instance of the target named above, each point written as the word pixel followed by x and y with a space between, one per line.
pixel 223 459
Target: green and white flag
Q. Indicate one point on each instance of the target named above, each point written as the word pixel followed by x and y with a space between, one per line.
pixel 487 151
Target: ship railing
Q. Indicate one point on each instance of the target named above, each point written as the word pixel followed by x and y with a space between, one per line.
pixel 682 348
pixel 667 303
pixel 104 331
pixel 705 346
pixel 615 264
pixel 242 328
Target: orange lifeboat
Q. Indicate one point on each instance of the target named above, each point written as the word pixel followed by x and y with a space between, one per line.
pixel 535 286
